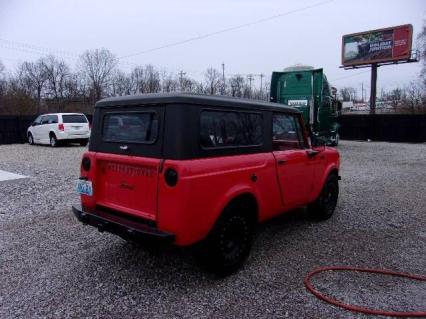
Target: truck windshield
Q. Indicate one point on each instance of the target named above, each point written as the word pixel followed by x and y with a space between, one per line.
pixel 132 127
pixel 74 118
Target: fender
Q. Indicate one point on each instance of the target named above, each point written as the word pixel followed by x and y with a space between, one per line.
pixel 232 193
pixel 330 167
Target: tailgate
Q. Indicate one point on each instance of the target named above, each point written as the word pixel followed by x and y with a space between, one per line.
pixel 127 184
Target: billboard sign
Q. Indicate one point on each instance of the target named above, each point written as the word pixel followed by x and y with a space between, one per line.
pixel 382 45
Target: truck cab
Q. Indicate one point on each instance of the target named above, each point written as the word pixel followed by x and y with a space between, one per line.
pixel 308 90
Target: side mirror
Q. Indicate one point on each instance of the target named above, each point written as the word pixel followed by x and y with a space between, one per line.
pixel 33 124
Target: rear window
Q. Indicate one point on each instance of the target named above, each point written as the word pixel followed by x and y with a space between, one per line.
pixel 74 118
pixel 134 127
pixel 230 129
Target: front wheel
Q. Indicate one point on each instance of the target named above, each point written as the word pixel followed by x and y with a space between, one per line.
pixel 229 244
pixel 323 208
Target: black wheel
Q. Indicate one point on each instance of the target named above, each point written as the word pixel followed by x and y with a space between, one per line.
pixel 228 245
pixel 53 140
pixel 30 139
pixel 323 208
pixel 84 142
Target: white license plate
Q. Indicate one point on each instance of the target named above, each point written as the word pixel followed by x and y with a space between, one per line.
pixel 84 187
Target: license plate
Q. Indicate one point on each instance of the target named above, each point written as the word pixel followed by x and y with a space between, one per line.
pixel 84 187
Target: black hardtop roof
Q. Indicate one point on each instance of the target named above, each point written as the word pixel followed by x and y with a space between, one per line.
pixel 186 98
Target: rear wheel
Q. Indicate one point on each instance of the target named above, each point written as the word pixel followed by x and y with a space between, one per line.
pixel 53 140
pixel 30 139
pixel 229 244
pixel 323 208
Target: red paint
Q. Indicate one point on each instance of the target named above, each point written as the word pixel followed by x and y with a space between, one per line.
pixel 134 185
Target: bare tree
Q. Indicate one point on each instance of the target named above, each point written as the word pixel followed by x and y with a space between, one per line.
pixel 394 97
pixel 348 94
pixel 98 67
pixel 121 84
pixel 169 82
pixel 151 80
pixel 421 43
pixel 236 84
pixel 213 81
pixel 3 82
pixel 32 77
pixel 56 72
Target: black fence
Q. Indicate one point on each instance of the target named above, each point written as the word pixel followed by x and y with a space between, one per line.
pixel 13 129
pixel 384 127
pixel 379 127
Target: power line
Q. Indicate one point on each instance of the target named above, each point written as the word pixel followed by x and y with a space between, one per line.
pixel 240 26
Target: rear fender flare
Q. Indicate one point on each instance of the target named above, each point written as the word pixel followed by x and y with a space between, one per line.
pixel 231 194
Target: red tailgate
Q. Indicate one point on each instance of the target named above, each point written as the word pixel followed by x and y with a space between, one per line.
pixel 127 184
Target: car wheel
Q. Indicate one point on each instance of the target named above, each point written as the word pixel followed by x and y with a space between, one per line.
pixel 229 244
pixel 53 140
pixel 30 139
pixel 323 208
pixel 84 142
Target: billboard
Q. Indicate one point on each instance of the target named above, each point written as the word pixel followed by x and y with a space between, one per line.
pixel 382 45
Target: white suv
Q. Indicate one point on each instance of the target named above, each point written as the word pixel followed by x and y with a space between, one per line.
pixel 55 128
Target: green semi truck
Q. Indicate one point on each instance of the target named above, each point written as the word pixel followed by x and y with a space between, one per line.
pixel 308 90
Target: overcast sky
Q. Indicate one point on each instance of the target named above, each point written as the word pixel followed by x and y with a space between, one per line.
pixel 309 36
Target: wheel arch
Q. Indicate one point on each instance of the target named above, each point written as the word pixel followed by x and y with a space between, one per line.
pixel 244 197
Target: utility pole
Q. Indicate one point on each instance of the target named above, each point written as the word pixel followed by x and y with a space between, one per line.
pixel 223 78
pixel 373 88
pixel 181 74
pixel 261 83
pixel 250 78
pixel 362 92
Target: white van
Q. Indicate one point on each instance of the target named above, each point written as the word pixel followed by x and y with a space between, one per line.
pixel 56 128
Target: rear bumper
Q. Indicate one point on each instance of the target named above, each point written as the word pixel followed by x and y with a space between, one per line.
pixel 121 226
pixel 66 136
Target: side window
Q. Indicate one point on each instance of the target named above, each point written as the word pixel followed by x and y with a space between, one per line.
pixel 53 119
pixel 44 119
pixel 37 121
pixel 220 129
pixel 287 133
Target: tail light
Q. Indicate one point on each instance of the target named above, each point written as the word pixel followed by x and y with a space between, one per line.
pixel 61 127
pixel 171 177
pixel 85 163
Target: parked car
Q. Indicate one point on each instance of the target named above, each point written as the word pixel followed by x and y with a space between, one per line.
pixel 201 171
pixel 58 128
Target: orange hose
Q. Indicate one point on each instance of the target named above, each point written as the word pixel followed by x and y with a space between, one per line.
pixel 354 308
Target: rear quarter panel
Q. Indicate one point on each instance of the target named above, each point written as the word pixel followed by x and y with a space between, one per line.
pixel 207 185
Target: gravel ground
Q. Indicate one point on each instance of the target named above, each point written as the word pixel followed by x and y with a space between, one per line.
pixel 53 267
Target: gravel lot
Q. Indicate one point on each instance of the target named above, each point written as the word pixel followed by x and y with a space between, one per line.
pixel 51 266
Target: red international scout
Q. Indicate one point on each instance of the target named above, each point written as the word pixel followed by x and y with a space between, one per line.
pixel 192 169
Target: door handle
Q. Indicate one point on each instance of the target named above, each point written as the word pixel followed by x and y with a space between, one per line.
pixel 281 162
pixel 312 153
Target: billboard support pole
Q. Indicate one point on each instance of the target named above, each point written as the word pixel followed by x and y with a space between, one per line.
pixel 373 86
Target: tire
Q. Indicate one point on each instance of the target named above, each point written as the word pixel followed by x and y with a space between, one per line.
pixel 324 206
pixel 84 142
pixel 53 140
pixel 229 244
pixel 30 139
pixel 336 140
